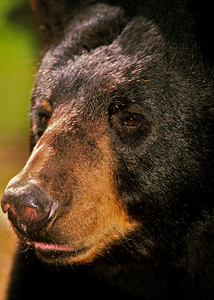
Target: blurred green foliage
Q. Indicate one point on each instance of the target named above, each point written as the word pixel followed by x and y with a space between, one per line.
pixel 19 49
pixel 18 55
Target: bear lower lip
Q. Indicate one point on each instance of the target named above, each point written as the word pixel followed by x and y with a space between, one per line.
pixel 53 247
pixel 53 252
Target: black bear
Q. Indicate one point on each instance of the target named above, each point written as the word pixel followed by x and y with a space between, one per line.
pixel 116 198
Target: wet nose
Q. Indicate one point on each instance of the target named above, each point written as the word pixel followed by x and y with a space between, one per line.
pixel 28 207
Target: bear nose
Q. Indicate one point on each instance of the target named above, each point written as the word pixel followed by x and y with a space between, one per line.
pixel 28 207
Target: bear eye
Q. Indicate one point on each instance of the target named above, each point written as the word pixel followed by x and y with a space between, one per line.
pixel 45 120
pixel 130 126
pixel 131 121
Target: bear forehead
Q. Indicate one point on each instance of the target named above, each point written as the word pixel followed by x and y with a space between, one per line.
pixel 104 68
pixel 66 72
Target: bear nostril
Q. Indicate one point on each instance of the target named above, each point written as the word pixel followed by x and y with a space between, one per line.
pixel 8 208
pixel 29 214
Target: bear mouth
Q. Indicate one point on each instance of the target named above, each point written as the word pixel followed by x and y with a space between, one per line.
pixel 53 251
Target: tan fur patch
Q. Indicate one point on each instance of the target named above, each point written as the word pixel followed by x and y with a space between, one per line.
pixel 97 218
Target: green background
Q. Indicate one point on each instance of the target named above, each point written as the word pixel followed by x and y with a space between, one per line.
pixel 19 51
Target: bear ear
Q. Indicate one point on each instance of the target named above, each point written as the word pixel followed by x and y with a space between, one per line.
pixel 51 13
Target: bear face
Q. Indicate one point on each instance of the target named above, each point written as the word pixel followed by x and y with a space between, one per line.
pixel 120 138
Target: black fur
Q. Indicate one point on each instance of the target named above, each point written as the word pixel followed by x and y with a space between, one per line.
pixel 151 60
